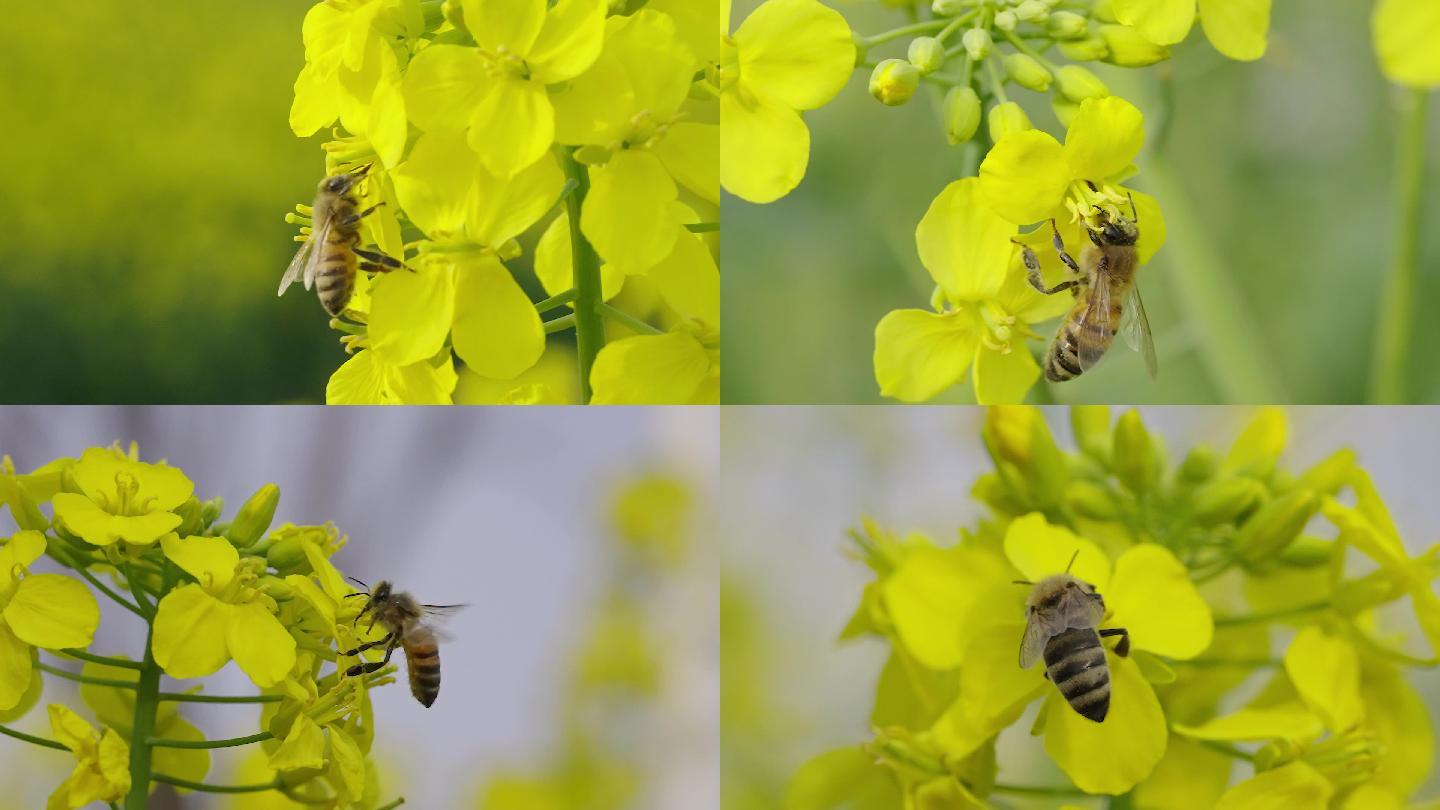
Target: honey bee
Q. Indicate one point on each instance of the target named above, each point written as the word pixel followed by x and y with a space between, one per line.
pixel 408 625
pixel 1106 297
pixel 335 229
pixel 1062 617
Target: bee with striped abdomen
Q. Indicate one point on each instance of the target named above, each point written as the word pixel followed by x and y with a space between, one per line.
pixel 1062 617
pixel 1107 298
pixel 408 625
pixel 331 255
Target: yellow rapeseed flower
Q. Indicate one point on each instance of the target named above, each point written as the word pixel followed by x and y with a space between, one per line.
pixel 122 499
pixel 1406 34
pixel 49 611
pixel 103 771
pixel 1236 28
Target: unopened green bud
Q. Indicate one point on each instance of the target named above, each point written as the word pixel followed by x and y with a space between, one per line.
pixel 1137 465
pixel 947 8
pixel 1067 25
pixel 1006 20
pixel 1018 436
pixel 277 588
pixel 1127 48
pixel 1272 529
pixel 253 520
pixel 191 521
pixel 1077 84
pixel 1329 475
pixel 1065 109
pixel 1352 596
pixel 1091 426
pixel 927 54
pixel 962 114
pixel 1032 11
pixel 978 43
pixel 454 13
pixel 1005 119
pixel 211 510
pixel 1227 501
pixel 1199 466
pixel 1086 49
pixel 1308 552
pixel 1090 500
pixel 1025 71
pixel 287 555
pixel 1102 11
pixel 894 81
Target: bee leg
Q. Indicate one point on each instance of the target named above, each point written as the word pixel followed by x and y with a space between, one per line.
pixel 1032 272
pixel 380 258
pixel 368 646
pixel 1122 649
pixel 368 667
pixel 355 218
pixel 1060 249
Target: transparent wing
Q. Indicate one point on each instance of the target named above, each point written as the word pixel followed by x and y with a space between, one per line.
pixel 435 616
pixel 1038 631
pixel 313 264
pixel 302 258
pixel 1093 333
pixel 1135 327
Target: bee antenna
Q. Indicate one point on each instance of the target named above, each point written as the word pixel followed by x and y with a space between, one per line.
pixel 1021 582
pixel 360 172
pixel 358 582
pixel 1133 213
pixel 1072 560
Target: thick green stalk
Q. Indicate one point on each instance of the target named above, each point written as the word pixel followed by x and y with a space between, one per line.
pixel 1390 366
pixel 585 264
pixel 147 705
pixel 232 742
pixel 1231 347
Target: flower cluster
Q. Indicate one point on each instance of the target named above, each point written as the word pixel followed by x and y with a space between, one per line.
pixel 582 131
pixel 1222 570
pixel 209 591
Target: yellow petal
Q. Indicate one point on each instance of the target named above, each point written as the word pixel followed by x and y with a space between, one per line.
pixel 315 105
pixel 797 52
pixel 689 280
pixel 114 762
pixel 211 560
pixel 1296 786
pixel 1326 673
pixel 1287 721
pixel 388 129
pixel 764 147
pixel 649 370
pixel 16 669
pixel 1113 756
pixel 306 589
pixel 433 186
pixel 498 210
pixel 630 214
pixel 1258 447
pixel 85 518
pixel 1004 378
pixel 358 381
pixel 260 644
pixel 1151 224
pixel 513 24
pixel 1039 550
pixel 691 153
pixel 554 262
pixel 569 41
pixel 919 354
pixel 303 747
pixel 71 730
pixel 25 547
pixel 929 598
pixel 1189 775
pixel 695 22
pixel 53 611
pixel 1405 33
pixel 1236 28
pixel 1151 595
pixel 842 778
pixel 185 763
pixel 963 244
pixel 1163 22
pixel 349 761
pixel 994 690
pixel 512 126
pixel 411 311
pixel 443 85
pixel 1104 138
pixel 423 383
pixel 497 331
pixel 1401 723
pixel 189 638
pixel 1025 175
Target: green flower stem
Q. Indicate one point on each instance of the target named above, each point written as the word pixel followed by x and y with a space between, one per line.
pixel 233 742
pixel 204 788
pixel 1023 47
pixel 555 301
pixel 1395 321
pixel 956 23
pixel 71 676
pixel 182 697
pixel 589 329
pixel 147 705
pixel 392 805
pixel 865 43
pixel 703 227
pixel 1269 616
pixel 629 320
pixel 32 739
pixel 123 663
pixel 1238 358
pixel 560 324
pixel 141 596
pixel 1227 750
pixel 1028 790
pixel 997 83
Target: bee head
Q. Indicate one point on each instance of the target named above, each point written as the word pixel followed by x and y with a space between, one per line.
pixel 381 592
pixel 1119 232
pixel 343 182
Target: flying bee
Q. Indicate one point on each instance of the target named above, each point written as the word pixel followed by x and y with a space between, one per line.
pixel 331 254
pixel 1106 297
pixel 408 625
pixel 1062 617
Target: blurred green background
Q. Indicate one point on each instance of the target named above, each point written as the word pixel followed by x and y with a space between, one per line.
pixel 1280 170
pixel 149 166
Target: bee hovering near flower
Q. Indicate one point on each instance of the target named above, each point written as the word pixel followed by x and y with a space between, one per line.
pixel 335 229
pixel 1107 298
pixel 408 625
pixel 1061 617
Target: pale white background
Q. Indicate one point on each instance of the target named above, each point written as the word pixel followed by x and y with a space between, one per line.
pixel 502 508
pixel 795 479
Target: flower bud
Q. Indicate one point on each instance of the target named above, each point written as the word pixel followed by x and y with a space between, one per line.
pixel 978 43
pixel 1032 11
pixel 1077 84
pixel 1198 467
pixel 1091 426
pixel 1006 20
pixel 927 54
pixel 1272 529
pixel 190 517
pixel 1067 25
pixel 453 13
pixel 1005 119
pixel 1329 475
pixel 1090 500
pixel 894 81
pixel 962 114
pixel 1227 501
pixel 1353 596
pixel 1026 72
pixel 211 510
pixel 253 520
pixel 1017 436
pixel 1137 465
pixel 1127 48
pixel 1086 49
pixel 1102 11
pixel 947 8
pixel 1009 432
pixel 1308 552
pixel 287 555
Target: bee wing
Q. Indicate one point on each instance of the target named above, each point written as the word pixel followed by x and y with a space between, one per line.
pixel 302 258
pixel 1093 333
pixel 311 266
pixel 1038 631
pixel 434 616
pixel 1135 326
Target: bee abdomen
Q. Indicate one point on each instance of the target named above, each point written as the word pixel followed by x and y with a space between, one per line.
pixel 1075 662
pixel 335 281
pixel 423 662
pixel 1062 362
